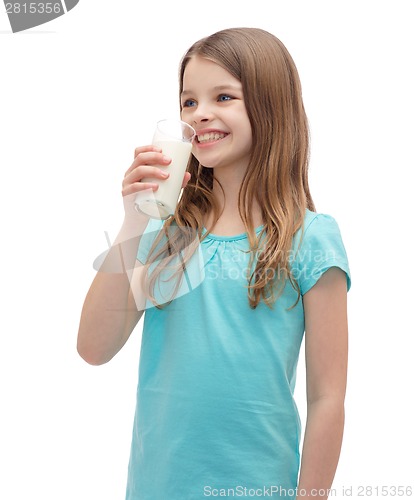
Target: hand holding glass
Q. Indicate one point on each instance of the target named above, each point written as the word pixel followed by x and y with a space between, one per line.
pixel 174 138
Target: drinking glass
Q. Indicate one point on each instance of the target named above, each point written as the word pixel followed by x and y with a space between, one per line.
pixel 174 137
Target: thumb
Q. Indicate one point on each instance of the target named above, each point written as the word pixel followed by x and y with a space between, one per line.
pixel 187 177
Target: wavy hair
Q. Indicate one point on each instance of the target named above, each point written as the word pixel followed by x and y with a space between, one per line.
pixel 277 174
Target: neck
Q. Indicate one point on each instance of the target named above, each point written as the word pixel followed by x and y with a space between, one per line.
pixel 228 196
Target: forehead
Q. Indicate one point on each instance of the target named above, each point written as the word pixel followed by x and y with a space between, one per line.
pixel 202 72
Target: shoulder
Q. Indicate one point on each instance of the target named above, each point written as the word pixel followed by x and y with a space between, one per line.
pixel 317 228
pixel 315 221
pixel 317 246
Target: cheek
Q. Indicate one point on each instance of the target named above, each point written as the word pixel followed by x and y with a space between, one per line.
pixel 185 115
pixel 245 131
pixel 248 140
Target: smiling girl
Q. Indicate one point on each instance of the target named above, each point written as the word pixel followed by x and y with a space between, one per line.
pixel 215 410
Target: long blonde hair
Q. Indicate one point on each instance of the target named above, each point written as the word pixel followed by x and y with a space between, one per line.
pixel 278 171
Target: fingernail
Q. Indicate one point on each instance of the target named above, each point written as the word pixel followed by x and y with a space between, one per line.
pixel 165 158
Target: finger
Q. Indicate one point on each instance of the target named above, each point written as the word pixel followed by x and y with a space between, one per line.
pixel 149 158
pixel 187 177
pixel 137 187
pixel 144 149
pixel 145 172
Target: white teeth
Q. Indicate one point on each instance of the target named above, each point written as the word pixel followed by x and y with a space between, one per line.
pixel 211 136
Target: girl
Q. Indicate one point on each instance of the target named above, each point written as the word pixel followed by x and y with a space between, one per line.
pixel 215 411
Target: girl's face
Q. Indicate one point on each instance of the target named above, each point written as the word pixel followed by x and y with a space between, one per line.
pixel 212 102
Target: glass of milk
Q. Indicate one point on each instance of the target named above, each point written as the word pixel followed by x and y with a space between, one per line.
pixel 175 138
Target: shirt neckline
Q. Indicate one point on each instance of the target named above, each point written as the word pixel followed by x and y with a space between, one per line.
pixel 235 237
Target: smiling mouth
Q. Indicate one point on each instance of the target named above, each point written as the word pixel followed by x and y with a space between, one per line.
pixel 210 137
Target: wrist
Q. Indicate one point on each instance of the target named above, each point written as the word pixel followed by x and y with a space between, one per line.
pixel 133 226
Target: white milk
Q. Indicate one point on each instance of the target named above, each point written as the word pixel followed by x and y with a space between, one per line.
pixel 161 203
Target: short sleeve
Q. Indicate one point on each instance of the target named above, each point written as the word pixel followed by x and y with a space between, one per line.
pixel 320 248
pixel 175 274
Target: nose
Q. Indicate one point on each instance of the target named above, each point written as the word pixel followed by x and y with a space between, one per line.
pixel 202 114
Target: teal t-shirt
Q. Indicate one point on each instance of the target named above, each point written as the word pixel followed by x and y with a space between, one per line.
pixel 215 413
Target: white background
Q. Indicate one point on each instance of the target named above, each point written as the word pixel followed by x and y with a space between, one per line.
pixel 77 95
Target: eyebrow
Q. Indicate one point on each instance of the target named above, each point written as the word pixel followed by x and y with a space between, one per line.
pixel 218 87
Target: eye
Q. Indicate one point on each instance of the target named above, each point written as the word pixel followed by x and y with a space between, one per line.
pixel 224 98
pixel 189 103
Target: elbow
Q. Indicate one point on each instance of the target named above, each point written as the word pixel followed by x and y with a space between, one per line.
pixel 90 357
pixel 336 398
pixel 91 354
pixel 328 410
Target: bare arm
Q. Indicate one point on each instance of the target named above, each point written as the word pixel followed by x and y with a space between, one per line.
pixel 111 310
pixel 326 351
